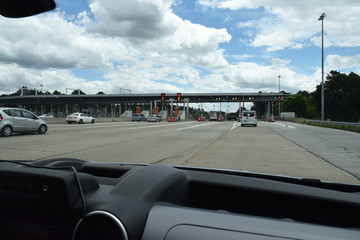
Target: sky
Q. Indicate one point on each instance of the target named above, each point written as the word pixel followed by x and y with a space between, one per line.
pixel 155 46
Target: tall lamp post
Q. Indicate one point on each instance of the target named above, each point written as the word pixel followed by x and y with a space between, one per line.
pixel 279 92
pixel 321 18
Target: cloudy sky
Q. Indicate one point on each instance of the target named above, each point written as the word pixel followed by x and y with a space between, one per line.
pixel 153 46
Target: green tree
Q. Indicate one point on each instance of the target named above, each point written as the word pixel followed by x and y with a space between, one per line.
pixel 342 97
pixel 310 111
pixel 76 92
pixel 259 107
pixel 296 103
pixel 56 92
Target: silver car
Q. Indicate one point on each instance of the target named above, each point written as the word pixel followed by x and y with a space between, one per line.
pixel 138 117
pixel 154 118
pixel 248 117
pixel 20 120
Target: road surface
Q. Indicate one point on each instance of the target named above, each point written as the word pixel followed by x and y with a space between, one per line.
pixel 340 148
pixel 274 148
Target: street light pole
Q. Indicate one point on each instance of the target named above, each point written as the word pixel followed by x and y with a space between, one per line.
pixel 321 18
pixel 279 92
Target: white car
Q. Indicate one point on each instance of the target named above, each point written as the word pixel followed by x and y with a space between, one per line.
pixel 248 117
pixel 48 115
pixel 79 118
pixel 154 118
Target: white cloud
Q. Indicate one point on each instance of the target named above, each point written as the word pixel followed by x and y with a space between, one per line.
pixel 13 77
pixel 252 77
pixel 242 57
pixel 51 41
pixel 247 24
pixel 238 4
pixel 138 19
pixel 291 24
pixel 227 19
pixel 336 62
pixel 151 49
pixel 153 27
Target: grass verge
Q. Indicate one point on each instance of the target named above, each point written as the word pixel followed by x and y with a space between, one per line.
pixel 327 125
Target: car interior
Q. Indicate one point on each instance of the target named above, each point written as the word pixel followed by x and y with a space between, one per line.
pixel 76 199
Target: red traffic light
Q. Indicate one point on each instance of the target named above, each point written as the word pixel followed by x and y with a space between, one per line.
pixel 163 97
pixel 178 96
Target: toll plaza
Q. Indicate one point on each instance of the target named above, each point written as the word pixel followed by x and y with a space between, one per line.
pixel 116 104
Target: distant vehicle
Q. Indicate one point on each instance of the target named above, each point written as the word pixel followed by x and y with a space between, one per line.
pixel 232 116
pixel 154 118
pixel 48 115
pixel 220 119
pixel 138 117
pixel 20 120
pixel 213 116
pixel 79 118
pixel 171 119
pixel 248 117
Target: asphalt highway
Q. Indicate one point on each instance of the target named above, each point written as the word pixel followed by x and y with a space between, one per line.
pixel 276 148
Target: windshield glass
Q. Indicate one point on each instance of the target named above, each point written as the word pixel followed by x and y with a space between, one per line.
pixel 200 66
pixel 249 114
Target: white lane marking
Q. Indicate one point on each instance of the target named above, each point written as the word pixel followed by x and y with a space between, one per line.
pixel 235 125
pixel 278 124
pixel 283 125
pixel 158 125
pixel 80 126
pixel 198 125
pixel 133 125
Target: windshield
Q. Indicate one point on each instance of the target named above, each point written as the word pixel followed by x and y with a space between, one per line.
pixel 248 114
pixel 192 64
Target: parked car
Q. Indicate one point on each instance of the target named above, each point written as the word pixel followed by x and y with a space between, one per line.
pixel 79 118
pixel 20 120
pixel 138 117
pixel 154 118
pixel 248 117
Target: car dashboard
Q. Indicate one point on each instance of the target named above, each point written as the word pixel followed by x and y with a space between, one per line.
pixel 76 199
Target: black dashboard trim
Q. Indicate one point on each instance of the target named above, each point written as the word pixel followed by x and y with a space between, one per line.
pixel 106 214
pixel 130 194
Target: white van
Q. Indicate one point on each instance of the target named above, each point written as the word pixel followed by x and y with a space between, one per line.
pixel 213 116
pixel 248 117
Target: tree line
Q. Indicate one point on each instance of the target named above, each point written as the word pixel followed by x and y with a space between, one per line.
pixel 31 91
pixel 341 99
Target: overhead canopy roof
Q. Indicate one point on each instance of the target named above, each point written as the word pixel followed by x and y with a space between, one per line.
pixel 140 98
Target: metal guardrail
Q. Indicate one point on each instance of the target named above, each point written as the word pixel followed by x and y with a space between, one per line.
pixel 335 123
